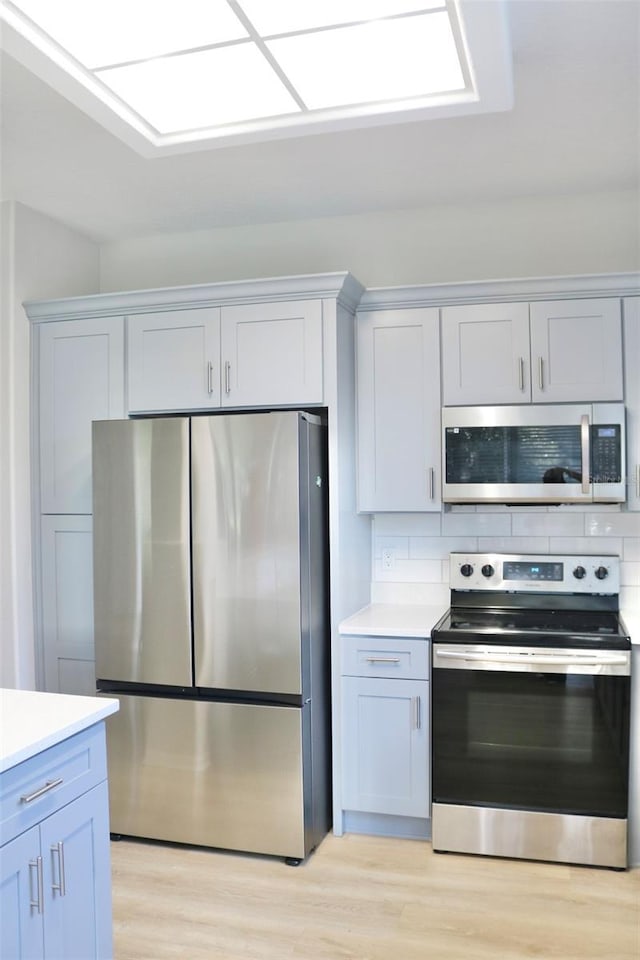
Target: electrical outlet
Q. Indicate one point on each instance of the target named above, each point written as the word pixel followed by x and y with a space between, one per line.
pixel 387 559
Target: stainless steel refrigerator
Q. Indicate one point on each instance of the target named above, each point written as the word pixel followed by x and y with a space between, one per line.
pixel 211 627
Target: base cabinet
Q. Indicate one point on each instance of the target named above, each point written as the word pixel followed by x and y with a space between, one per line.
pixel 385 726
pixel 55 880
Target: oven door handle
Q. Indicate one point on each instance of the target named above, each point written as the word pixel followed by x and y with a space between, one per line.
pixel 588 660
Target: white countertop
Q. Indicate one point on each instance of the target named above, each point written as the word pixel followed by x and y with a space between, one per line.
pixel 31 721
pixel 393 620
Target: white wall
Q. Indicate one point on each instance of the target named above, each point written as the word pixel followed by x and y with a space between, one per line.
pixel 39 258
pixel 524 237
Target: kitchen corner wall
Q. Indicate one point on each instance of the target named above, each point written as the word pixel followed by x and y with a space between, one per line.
pixel 411 551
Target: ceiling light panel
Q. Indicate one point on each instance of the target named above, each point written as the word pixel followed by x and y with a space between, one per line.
pixel 102 32
pixel 379 61
pixel 285 16
pixel 204 89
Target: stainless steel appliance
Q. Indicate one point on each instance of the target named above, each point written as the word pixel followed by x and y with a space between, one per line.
pixel 568 453
pixel 211 626
pixel 531 695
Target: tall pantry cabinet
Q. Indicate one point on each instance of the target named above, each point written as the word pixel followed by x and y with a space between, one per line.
pixel 78 377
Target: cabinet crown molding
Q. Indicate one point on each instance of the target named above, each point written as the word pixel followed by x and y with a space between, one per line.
pixel 496 291
pixel 341 286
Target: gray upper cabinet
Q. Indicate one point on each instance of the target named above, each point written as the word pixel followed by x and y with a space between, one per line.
pixel 543 352
pixel 398 384
pixel 81 378
pixel 232 356
pixel 576 350
pixel 173 360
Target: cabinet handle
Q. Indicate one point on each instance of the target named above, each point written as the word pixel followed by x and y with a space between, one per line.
pixel 210 378
pixel 49 785
pixel 417 712
pixel 521 374
pixel 57 849
pixel 432 483
pixel 383 659
pixel 637 479
pixel 36 904
pixel 227 377
pixel 540 373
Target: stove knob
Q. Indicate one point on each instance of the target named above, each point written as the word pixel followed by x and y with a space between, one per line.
pixel 602 573
pixel 466 569
pixel 487 570
pixel 579 573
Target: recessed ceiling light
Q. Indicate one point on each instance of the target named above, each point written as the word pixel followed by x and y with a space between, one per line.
pixel 169 76
pixel 202 89
pixel 382 60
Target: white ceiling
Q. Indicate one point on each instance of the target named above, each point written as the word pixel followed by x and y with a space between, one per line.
pixel 575 128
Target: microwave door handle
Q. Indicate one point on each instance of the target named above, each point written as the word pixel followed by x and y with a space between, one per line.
pixel 585 449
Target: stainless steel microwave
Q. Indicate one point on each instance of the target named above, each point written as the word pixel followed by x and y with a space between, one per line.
pixel 573 453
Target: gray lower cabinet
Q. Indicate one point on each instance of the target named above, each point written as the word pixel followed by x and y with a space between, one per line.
pixel 385 732
pixel 55 879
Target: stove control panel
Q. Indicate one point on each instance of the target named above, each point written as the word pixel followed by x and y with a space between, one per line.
pixel 548 573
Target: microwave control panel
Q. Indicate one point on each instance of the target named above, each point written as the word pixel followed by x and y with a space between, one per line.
pixel 606 466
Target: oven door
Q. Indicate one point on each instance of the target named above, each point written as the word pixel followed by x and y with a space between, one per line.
pixel 527 728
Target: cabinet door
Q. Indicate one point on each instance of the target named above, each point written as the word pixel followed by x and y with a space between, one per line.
pixel 386 746
pixel 81 379
pixel 272 353
pixel 485 354
pixel 77 879
pixel 21 931
pixel 576 350
pixel 398 410
pixel 174 360
pixel 67 604
pixel 631 308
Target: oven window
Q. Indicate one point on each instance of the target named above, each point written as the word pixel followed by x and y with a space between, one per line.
pixel 547 742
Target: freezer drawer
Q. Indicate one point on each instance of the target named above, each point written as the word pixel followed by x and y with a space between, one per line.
pixel 210 773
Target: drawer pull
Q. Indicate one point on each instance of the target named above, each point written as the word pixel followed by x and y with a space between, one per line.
pixel 61 886
pixel 383 659
pixel 49 785
pixel 37 904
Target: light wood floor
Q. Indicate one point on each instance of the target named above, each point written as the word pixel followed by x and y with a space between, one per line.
pixel 365 898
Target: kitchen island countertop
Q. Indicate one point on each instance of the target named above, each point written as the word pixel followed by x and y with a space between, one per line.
pixel 31 721
pixel 393 620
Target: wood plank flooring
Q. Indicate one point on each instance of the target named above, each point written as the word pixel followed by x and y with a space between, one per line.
pixel 366 898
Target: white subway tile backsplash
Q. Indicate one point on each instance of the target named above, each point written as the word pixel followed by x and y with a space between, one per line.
pixel 612 524
pixel 631 548
pixel 428 593
pixel 398 546
pixel 476 524
pixel 630 574
pixel 406 524
pixel 548 524
pixel 513 544
pixel 409 571
pixel 439 548
pixel 420 544
pixel 588 545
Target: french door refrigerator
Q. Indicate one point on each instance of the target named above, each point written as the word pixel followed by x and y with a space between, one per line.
pixel 211 627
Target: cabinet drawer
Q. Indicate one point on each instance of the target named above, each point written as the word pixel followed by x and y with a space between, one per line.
pixel 80 762
pixel 401 657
